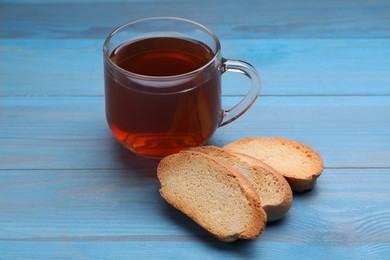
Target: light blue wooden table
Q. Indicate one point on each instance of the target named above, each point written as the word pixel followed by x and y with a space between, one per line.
pixel 69 191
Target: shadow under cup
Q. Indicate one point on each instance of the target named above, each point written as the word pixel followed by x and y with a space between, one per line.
pixel 163 85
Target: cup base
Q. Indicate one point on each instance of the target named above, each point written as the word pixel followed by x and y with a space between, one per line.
pixel 157 145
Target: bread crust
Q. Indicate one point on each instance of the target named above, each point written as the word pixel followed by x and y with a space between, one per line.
pixel 273 189
pixel 298 163
pixel 275 211
pixel 168 168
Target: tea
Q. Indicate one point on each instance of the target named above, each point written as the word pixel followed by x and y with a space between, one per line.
pixel 162 56
pixel 157 110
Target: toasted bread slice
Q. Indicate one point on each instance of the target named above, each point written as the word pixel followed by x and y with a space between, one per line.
pixel 298 163
pixel 274 192
pixel 214 195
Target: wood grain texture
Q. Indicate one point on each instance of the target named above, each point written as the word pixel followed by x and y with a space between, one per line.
pixel 230 19
pixel 287 67
pixel 86 213
pixel 68 190
pixel 71 132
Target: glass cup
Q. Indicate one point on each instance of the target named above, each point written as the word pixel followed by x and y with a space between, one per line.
pixel 163 85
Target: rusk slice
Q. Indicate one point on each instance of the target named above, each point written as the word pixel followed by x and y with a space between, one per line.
pixel 274 191
pixel 214 195
pixel 298 163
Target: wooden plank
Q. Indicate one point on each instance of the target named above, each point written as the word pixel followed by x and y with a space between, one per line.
pixel 112 213
pixel 185 250
pixel 249 19
pixel 287 67
pixel 71 132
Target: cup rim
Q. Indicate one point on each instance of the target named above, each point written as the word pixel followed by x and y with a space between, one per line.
pixel 160 78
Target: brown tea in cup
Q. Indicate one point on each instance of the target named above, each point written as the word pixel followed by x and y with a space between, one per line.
pixel 163 85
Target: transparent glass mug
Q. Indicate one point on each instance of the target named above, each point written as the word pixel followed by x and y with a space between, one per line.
pixel 163 85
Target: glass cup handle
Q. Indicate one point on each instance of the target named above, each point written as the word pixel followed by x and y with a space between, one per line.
pixel 241 107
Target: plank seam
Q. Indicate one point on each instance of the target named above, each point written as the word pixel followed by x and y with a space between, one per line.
pixel 125 169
